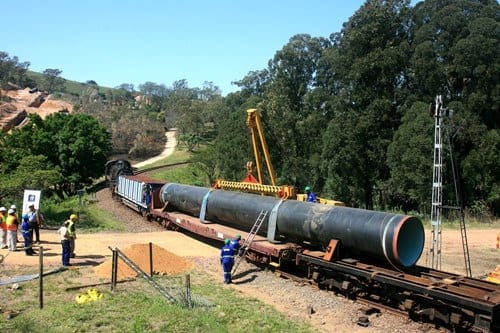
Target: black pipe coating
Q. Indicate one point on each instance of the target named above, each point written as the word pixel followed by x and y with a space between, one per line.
pixel 397 238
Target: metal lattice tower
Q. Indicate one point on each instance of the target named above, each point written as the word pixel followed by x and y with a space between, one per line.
pixel 437 191
pixel 434 254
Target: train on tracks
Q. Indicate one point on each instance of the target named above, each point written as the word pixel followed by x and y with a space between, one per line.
pixel 365 255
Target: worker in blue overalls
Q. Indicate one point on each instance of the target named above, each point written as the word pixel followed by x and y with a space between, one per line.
pixel 227 260
pixel 310 196
pixel 235 244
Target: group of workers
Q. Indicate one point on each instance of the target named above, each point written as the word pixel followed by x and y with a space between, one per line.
pixel 29 224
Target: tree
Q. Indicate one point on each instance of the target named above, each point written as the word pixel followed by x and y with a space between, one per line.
pixel 53 81
pixel 290 122
pixel 410 158
pixel 254 82
pixel 365 68
pixel 481 170
pixel 33 172
pixel 127 87
pixel 455 54
pixel 13 71
pixel 75 145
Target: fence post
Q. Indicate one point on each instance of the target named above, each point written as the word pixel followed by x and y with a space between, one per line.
pixel 40 277
pixel 188 290
pixel 150 259
pixel 114 269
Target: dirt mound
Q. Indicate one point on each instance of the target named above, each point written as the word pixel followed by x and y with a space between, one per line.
pixel 164 262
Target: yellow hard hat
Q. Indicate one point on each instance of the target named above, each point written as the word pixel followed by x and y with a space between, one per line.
pixel 73 217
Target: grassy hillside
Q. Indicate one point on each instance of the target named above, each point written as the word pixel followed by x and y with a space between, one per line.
pixel 73 88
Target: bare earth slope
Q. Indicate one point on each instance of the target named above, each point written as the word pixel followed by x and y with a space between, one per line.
pixel 22 102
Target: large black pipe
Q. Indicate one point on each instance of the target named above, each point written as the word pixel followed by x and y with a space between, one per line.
pixel 397 238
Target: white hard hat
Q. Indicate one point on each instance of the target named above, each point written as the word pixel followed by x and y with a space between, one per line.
pixel 13 207
pixel 11 211
pixel 3 209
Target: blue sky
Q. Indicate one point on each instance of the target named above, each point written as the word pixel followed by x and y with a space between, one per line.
pixel 115 42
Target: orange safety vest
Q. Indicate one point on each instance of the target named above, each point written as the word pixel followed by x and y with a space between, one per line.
pixel 12 223
pixel 3 224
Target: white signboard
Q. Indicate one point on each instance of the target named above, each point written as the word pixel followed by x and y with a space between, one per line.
pixel 31 197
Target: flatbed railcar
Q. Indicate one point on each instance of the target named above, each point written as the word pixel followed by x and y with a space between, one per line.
pixel 456 302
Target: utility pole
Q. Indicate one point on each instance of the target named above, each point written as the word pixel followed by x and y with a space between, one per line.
pixel 434 254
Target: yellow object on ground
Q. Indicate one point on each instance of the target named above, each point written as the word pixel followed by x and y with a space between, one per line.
pixel 494 276
pixel 90 296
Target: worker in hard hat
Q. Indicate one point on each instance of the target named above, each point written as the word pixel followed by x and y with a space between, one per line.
pixel 65 242
pixel 3 228
pixel 235 244
pixel 72 234
pixel 14 208
pixel 310 196
pixel 34 220
pixel 27 233
pixel 12 223
pixel 227 260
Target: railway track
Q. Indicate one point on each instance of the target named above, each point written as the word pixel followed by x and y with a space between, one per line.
pixel 423 293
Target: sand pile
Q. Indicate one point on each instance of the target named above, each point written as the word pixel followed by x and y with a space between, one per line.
pixel 164 262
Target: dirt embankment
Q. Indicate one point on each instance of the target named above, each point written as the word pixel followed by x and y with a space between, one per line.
pixel 19 103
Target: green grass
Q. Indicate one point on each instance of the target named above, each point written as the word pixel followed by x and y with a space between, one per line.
pixel 177 157
pixel 188 175
pixel 137 307
pixel 91 218
pixel 70 87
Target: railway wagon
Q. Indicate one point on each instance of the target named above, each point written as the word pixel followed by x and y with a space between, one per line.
pixel 137 191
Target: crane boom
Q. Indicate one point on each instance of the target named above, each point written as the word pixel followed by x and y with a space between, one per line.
pixel 256 131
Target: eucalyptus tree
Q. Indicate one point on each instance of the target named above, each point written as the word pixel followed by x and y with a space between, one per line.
pixel 291 122
pixel 13 71
pixel 366 69
pixel 455 54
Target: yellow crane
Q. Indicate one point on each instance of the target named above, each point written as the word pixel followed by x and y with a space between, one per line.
pixel 257 185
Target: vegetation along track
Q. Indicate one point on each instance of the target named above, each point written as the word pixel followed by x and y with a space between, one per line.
pixel 158 167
